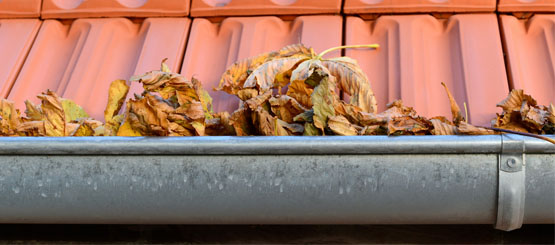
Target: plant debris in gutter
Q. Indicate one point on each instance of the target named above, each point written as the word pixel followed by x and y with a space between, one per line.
pixel 292 91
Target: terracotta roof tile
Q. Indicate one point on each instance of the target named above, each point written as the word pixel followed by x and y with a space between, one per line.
pixel 263 7
pixel 16 38
pixel 530 50
pixel 19 8
pixel 526 6
pixel 79 60
pixel 417 6
pixel 418 52
pixel 113 8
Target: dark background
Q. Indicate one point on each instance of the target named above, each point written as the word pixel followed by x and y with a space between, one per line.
pixel 273 234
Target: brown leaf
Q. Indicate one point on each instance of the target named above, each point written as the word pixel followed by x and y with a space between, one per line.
pixel 287 129
pixel 32 128
pixel 264 122
pixel 241 122
pixel 234 77
pixel 247 94
pixel 374 130
pixel 468 129
pixel 257 101
pixel 300 91
pixel 455 110
pixel 353 81
pixel 341 126
pixel 513 102
pixel 220 125
pixel 408 126
pixel 442 128
pixel 286 108
pixel 263 77
pixel 54 116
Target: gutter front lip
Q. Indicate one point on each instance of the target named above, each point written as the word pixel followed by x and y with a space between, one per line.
pixel 264 145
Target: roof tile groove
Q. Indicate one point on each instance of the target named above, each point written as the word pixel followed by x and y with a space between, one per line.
pixel 418 52
pixel 213 47
pixel 530 50
pixel 417 6
pixel 202 8
pixel 113 8
pixel 16 38
pixel 19 8
pixel 79 60
pixel 526 6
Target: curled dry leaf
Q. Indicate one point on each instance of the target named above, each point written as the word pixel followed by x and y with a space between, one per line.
pixel 324 99
pixel 455 110
pixel 443 127
pixel 9 118
pixel 234 77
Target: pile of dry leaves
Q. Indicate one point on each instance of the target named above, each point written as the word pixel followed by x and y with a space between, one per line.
pixel 292 91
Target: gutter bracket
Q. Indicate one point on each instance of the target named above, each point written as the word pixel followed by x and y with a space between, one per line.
pixel 511 188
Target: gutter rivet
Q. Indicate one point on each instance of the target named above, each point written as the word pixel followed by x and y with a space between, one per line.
pixel 511 162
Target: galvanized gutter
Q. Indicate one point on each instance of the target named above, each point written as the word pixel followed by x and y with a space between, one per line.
pixel 501 180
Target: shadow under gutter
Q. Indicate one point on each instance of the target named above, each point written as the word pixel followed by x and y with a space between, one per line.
pixel 505 180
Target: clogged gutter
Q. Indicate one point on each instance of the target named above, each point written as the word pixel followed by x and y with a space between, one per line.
pixel 292 91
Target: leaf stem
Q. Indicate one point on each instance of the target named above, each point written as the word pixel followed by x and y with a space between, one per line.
pixel 552 141
pixel 347 46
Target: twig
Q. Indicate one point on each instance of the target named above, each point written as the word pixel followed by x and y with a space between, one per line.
pixel 552 141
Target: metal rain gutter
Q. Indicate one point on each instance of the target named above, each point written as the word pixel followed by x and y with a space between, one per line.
pixel 505 180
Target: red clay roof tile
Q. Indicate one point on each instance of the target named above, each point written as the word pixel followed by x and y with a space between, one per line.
pixel 16 38
pixel 19 8
pixel 417 6
pixel 263 7
pixel 526 6
pixel 113 8
pixel 79 60
pixel 530 50
pixel 418 52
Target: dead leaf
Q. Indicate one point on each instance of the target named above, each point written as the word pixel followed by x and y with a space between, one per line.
pixel 323 100
pixel 353 81
pixel 9 118
pixel 455 110
pixel 441 127
pixel 234 77
pixel 286 108
pixel 513 102
pixel 341 126
pixel 408 126
pixel 468 129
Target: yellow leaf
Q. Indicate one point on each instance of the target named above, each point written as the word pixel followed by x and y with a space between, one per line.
pixel 323 100
pixel 32 111
pixel 9 118
pixel 126 130
pixel 116 96
pixel 164 67
pixel 341 126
